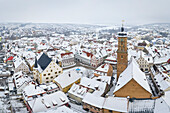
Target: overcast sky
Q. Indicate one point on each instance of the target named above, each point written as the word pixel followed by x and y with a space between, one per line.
pixel 85 11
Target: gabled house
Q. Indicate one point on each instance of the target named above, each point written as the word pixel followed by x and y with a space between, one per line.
pixel 98 56
pixel 67 79
pixel 96 60
pixel 20 65
pixel 145 62
pixel 104 70
pixel 132 82
pixel 45 69
pixel 67 59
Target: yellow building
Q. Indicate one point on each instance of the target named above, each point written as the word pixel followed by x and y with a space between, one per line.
pixel 67 79
pixel 45 70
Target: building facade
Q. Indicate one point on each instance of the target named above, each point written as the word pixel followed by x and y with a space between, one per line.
pixel 67 59
pixel 45 69
pixel 143 64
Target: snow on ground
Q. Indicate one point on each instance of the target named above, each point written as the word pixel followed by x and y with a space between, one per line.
pixel 16 103
pixel 3 104
pixel 69 66
pixel 110 93
pixel 2 94
pixel 81 69
pixel 85 72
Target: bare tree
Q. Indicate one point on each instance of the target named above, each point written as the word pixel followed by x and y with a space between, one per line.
pixel 88 73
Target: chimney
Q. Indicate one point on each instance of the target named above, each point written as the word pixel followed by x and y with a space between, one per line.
pixel 97 87
pixel 69 74
pixel 103 65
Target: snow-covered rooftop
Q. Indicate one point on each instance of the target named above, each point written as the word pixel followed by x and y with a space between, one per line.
pixel 94 100
pixel 94 84
pixel 118 104
pixel 49 101
pixel 132 72
pixel 67 78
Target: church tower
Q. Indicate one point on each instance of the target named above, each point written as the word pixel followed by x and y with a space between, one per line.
pixel 122 55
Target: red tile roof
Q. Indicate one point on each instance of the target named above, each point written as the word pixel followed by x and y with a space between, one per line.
pixel 10 58
pixel 63 54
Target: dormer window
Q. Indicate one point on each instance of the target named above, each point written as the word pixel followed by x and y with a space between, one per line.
pixel 62 99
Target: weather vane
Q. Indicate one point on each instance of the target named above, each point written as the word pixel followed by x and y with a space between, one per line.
pixel 122 28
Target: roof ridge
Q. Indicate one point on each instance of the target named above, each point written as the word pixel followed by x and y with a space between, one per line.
pixel 132 69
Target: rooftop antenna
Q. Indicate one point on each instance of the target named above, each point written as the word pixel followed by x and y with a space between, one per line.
pixel 122 28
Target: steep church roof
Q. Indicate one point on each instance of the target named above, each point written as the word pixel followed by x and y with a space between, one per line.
pixel 132 72
pixel 44 61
